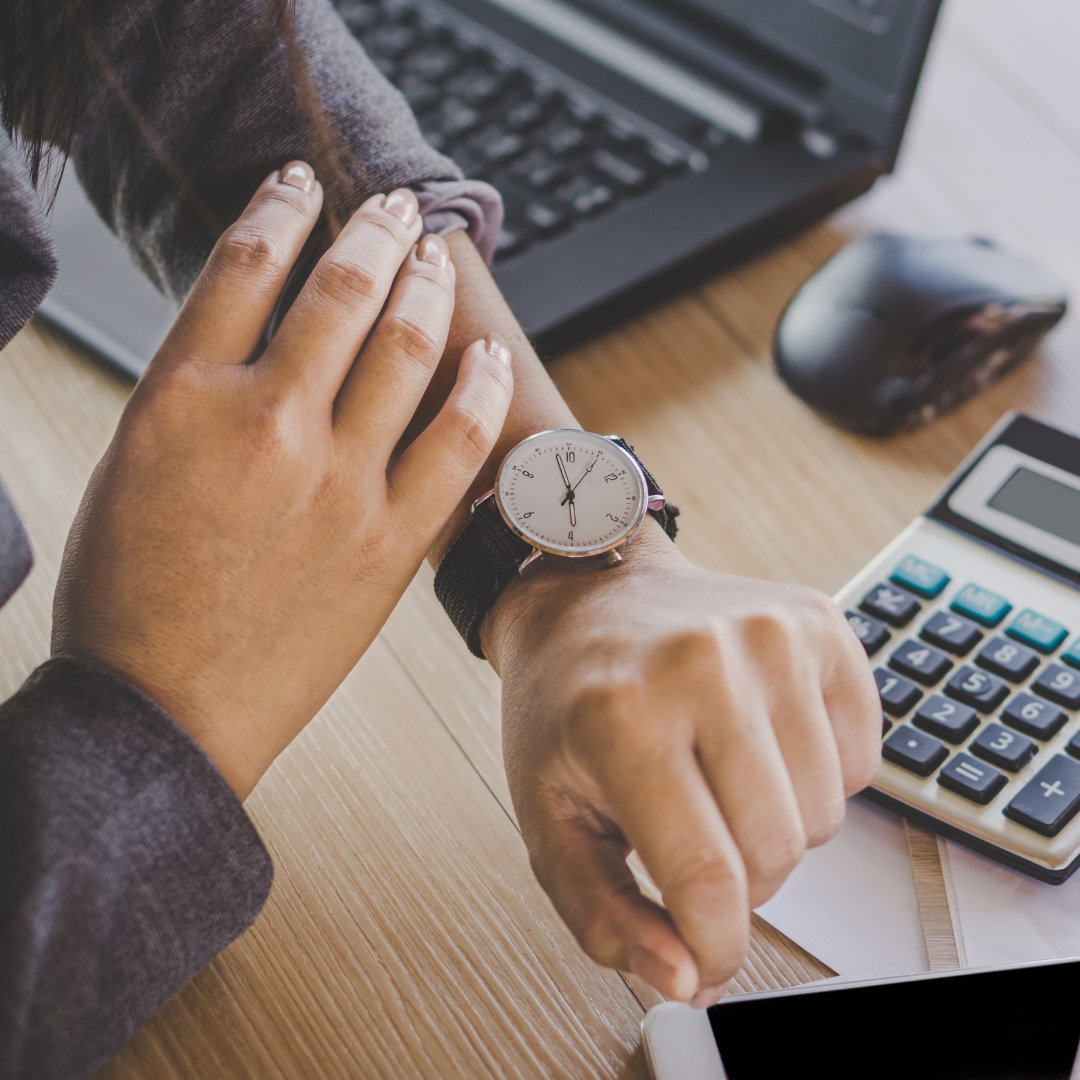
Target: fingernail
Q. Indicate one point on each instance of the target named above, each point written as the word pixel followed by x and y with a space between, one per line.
pixel 498 348
pixel 710 996
pixel 433 249
pixel 402 204
pixel 298 175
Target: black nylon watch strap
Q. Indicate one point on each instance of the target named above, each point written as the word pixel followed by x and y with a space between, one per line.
pixel 486 555
pixel 481 562
pixel 666 515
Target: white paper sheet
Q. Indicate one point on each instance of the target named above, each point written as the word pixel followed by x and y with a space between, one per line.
pixel 851 903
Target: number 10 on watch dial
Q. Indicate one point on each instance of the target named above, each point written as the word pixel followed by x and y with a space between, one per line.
pixel 571 493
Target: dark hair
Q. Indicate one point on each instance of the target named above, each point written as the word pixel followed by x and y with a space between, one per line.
pixel 42 75
pixel 49 61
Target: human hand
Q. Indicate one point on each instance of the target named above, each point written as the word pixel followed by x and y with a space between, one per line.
pixel 712 723
pixel 251 525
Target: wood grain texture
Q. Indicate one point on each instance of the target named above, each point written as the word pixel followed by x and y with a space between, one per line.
pixel 405 935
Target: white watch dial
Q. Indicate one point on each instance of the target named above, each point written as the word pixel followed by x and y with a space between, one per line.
pixel 571 492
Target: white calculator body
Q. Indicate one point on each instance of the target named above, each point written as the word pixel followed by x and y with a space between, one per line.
pixel 971 618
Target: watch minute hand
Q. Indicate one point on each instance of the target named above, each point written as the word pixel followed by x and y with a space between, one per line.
pixel 588 469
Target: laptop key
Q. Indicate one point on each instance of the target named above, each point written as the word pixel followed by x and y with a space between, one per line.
pixel 951 632
pixel 1050 801
pixel 897 694
pixel 1015 662
pixel 623 171
pixel 986 692
pixel 948 720
pixel 1002 747
pixel 1059 684
pixel 1034 717
pixel 972 779
pixel 914 750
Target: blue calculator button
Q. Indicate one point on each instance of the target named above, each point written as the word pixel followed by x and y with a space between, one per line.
pixel 1037 630
pixel 921 577
pixel 981 604
pixel 1071 655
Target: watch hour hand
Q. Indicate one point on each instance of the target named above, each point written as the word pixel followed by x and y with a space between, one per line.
pixel 588 469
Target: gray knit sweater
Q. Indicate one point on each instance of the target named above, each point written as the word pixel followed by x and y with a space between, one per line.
pixel 126 862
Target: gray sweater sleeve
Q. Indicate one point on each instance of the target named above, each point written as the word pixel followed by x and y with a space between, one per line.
pixel 127 863
pixel 195 102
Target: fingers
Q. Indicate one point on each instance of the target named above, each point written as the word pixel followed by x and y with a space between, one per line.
pixel 749 776
pixel 434 473
pixel 384 387
pixel 582 867
pixel 321 335
pixel 224 316
pixel 669 815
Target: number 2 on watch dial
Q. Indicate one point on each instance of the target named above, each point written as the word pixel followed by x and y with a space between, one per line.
pixel 571 492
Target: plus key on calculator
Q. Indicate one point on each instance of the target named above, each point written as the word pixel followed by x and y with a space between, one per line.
pixel 970 619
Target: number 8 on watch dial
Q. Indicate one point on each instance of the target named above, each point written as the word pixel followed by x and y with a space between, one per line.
pixel 571 493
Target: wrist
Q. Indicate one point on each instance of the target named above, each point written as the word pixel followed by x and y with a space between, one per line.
pixel 556 592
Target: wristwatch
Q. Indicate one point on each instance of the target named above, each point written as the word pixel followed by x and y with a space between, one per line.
pixel 565 494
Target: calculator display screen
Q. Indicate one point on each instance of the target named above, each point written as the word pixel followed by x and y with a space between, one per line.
pixel 1019 1023
pixel 1041 501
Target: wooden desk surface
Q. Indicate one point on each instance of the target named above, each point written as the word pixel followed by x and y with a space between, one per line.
pixel 405 935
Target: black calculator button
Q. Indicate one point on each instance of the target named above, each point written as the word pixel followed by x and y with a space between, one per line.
pixel 985 692
pixel 1033 716
pixel 1074 745
pixel 913 750
pixel 891 604
pixel 1059 684
pixel 948 720
pixel 923 663
pixel 1015 662
pixel 951 632
pixel 972 779
pixel 871 632
pixel 1003 747
pixel 897 693
pixel 1050 801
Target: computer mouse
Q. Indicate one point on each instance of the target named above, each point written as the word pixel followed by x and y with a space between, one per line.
pixel 895 330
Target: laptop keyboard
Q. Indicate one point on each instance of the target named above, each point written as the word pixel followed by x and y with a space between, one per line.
pixel 558 155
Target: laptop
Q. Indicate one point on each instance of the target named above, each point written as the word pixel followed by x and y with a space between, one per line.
pixel 638 144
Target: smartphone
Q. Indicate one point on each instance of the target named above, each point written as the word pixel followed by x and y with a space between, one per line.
pixel 1020 1022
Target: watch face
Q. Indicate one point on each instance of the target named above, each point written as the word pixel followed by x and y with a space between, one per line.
pixel 571 492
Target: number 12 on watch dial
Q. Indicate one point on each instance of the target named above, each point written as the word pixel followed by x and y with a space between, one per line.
pixel 571 493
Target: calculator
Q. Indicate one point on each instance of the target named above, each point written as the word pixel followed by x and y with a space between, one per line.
pixel 971 619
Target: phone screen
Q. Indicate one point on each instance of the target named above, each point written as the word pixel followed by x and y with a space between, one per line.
pixel 1020 1024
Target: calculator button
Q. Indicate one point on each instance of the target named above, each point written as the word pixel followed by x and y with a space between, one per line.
pixel 920 577
pixel 1003 747
pixel 981 604
pixel 871 632
pixel 1015 662
pixel 985 692
pixel 914 751
pixel 1073 746
pixel 1035 629
pixel 1060 685
pixel 1072 654
pixel 948 720
pixel 1050 801
pixel 972 779
pixel 1034 717
pixel 896 606
pixel 923 663
pixel 897 693
pixel 952 632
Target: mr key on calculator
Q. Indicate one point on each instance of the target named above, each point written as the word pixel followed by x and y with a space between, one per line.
pixel 971 616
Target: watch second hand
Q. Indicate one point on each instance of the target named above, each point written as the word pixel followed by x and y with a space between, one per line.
pixel 588 469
